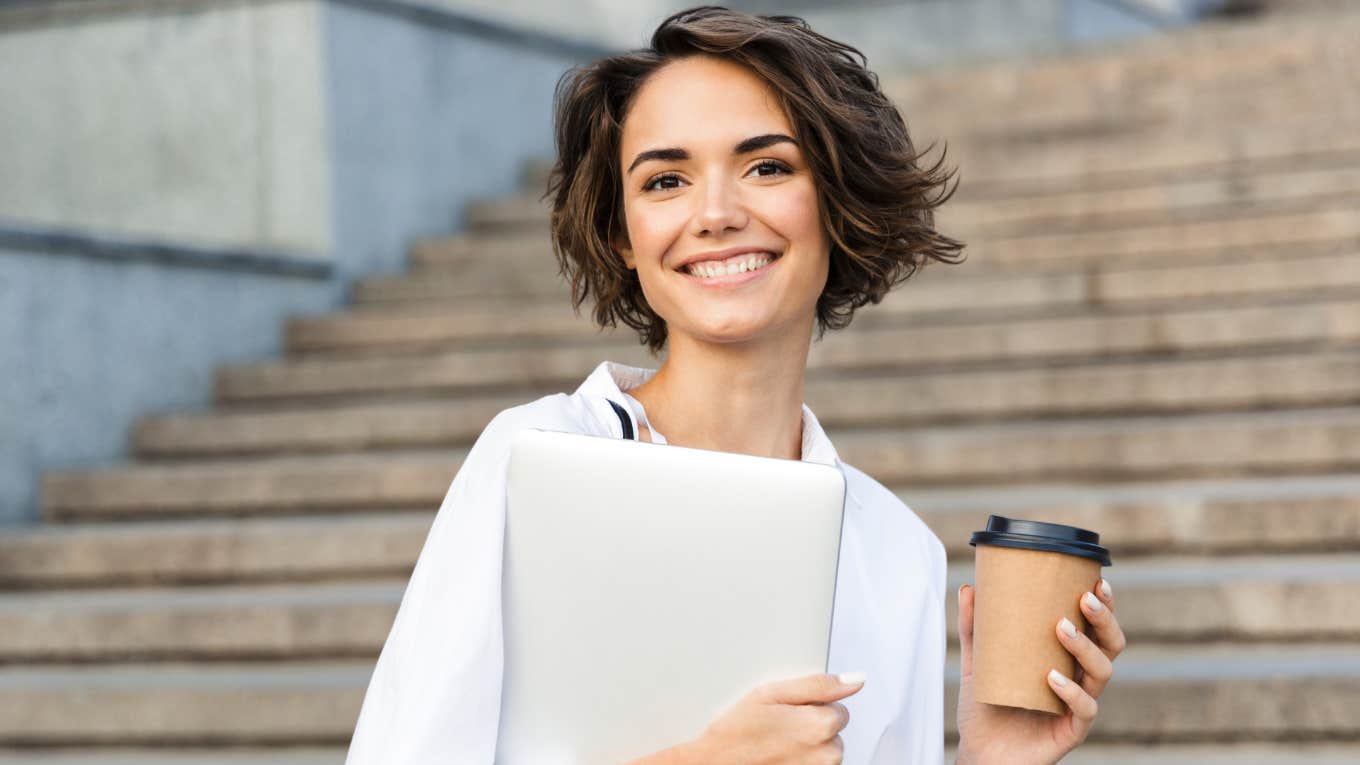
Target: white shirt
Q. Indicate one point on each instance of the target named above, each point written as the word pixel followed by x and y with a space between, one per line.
pixel 434 696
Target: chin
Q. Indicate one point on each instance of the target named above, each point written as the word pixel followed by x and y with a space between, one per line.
pixel 732 334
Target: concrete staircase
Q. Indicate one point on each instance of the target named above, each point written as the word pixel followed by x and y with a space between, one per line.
pixel 1156 335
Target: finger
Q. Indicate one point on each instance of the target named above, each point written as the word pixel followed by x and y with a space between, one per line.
pixel 832 751
pixel 1105 592
pixel 965 596
pixel 1083 707
pixel 842 716
pixel 1096 668
pixel 822 722
pixel 1105 630
pixel 812 689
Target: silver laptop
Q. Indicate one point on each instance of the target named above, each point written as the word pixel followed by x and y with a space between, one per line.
pixel 647 587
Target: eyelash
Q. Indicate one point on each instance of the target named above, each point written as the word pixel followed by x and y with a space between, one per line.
pixel 649 186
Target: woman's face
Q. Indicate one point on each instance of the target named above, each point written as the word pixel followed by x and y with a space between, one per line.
pixel 713 183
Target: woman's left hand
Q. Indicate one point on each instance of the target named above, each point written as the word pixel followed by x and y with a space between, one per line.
pixel 990 734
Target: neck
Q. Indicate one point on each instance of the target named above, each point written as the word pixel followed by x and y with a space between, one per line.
pixel 746 399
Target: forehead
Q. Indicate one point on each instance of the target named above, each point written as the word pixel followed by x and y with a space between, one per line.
pixel 701 100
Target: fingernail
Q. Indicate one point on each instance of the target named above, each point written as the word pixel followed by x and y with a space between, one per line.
pixel 1092 602
pixel 1105 589
pixel 1057 677
pixel 960 595
pixel 1067 627
pixel 851 678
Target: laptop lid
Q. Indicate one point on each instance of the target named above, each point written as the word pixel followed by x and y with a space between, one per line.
pixel 647 587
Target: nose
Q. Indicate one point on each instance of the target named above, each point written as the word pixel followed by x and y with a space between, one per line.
pixel 719 209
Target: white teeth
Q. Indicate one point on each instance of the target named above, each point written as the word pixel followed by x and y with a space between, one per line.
pixel 709 269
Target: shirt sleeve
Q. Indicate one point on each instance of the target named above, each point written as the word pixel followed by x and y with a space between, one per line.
pixel 434 695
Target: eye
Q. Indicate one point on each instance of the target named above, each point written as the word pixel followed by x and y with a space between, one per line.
pixel 779 167
pixel 652 184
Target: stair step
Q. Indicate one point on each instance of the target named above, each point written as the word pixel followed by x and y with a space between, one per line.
pixel 412 480
pixel 1177 105
pixel 312 703
pixel 1240 598
pixel 334 755
pixel 1221 692
pixel 1196 329
pixel 1231 88
pixel 1138 387
pixel 1277 514
pixel 1299 753
pixel 1003 168
pixel 1114 449
pixel 1184 693
pixel 1216 753
pixel 258 621
pixel 532 273
pixel 1328 223
pixel 1252 598
pixel 213 550
pixel 334 428
pixel 448 323
pixel 461 371
pixel 454 325
pixel 1237 191
pixel 1118 449
pixel 449 253
pixel 1222 64
pixel 1056 339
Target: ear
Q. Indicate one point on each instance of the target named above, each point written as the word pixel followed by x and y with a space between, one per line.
pixel 622 247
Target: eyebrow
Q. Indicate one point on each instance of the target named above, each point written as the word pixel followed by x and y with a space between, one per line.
pixel 755 143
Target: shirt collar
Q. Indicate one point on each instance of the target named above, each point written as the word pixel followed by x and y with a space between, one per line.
pixel 610 379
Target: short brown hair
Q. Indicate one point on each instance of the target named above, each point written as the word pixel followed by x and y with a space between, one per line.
pixel 876 201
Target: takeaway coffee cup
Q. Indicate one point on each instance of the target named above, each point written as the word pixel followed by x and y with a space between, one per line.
pixel 1028 575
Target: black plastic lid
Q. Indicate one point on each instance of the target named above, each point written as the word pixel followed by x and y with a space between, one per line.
pixel 1036 535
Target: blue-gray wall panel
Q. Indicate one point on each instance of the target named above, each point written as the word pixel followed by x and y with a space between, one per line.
pixel 422 122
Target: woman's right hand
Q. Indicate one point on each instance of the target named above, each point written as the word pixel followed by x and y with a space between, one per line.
pixel 782 723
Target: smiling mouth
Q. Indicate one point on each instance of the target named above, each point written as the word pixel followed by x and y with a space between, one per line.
pixel 737 264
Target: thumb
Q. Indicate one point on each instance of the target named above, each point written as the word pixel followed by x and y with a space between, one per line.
pixel 813 689
pixel 966 593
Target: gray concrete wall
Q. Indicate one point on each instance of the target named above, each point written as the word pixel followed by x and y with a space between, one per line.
pixel 414 113
pixel 907 36
pixel 896 35
pixel 198 123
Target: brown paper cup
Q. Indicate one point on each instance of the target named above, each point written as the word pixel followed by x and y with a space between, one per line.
pixel 1020 595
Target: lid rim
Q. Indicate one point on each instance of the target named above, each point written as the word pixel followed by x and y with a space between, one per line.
pixel 1040 535
pixel 1093 552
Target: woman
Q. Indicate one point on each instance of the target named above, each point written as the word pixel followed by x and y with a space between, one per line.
pixel 723 192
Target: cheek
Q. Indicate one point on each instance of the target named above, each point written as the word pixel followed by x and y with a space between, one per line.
pixel 795 215
pixel 797 218
pixel 652 230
